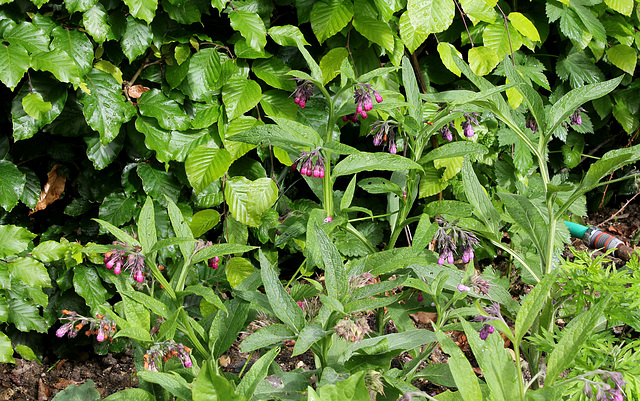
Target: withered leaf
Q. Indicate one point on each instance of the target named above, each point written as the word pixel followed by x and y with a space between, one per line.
pixel 136 91
pixel 52 189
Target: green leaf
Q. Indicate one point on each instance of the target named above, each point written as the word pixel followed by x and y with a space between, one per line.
pixel 29 271
pixel 372 162
pixel 219 250
pixel 35 106
pixel 532 305
pixel 461 370
pixel 238 269
pixel 105 108
pixel 329 17
pixel 351 389
pixel 49 251
pixel 256 374
pixel 578 69
pixel 378 185
pixel 240 95
pixel 248 200
pixel 173 383
pixel 287 35
pixel 309 335
pixel 412 36
pixel 424 233
pixel 375 30
pixel 157 183
pixel 131 394
pixel 14 62
pixel 250 26
pixel 274 73
pixel 147 227
pixel 331 63
pixel 24 125
pixel 346 200
pixel 454 149
pixel 6 350
pixel 118 233
pixel 478 198
pixel 622 6
pixel 79 5
pixel 479 10
pixel 524 26
pixel 205 165
pixel 95 22
pixel 287 309
pixel 84 392
pixel 610 162
pixel 60 64
pixel 143 9
pixel 137 37
pixel 88 285
pixel 102 155
pixel 496 37
pixel 623 57
pixel 446 51
pixel 14 240
pixel 167 111
pixel 12 182
pixel 76 44
pixel 335 275
pixel 483 60
pixel 226 326
pixel 528 217
pixel 203 221
pixel 573 337
pixel 430 182
pixel 28 36
pixel 32 188
pixel 209 386
pixel 170 144
pixel 432 16
pixel 24 314
pixel 272 334
pixel 117 209
pixel 204 73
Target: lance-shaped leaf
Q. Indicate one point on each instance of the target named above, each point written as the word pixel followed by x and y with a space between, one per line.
pixel 528 217
pixel 136 39
pixel 329 17
pixel 205 164
pixel 143 9
pixel 250 26
pixel 477 196
pixel 204 72
pixel 373 161
pixel 14 62
pixel 336 277
pixel 240 95
pixel 105 108
pixel 168 112
pixel 248 200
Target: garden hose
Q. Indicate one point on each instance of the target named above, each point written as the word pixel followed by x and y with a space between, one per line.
pixel 596 238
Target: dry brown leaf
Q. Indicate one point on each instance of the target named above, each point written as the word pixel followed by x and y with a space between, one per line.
pixel 136 91
pixel 424 317
pixel 224 361
pixel 64 383
pixel 43 391
pixel 52 189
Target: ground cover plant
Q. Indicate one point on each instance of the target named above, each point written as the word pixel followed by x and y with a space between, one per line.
pixel 315 173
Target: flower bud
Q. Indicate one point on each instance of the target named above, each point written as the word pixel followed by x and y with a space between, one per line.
pixel 463 288
pixel 328 219
pixel 393 149
pixel 420 297
pixel 363 114
pixel 138 276
pixel 378 97
pixel 117 269
pixel 367 104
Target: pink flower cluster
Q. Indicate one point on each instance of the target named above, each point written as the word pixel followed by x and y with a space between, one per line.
pixel 363 96
pixel 100 326
pixel 310 163
pixel 129 258
pixel 165 351
pixel 302 92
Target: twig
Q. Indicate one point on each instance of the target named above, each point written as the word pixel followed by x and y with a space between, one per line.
pixel 619 211
pixel 462 14
pixel 355 69
pixel 506 24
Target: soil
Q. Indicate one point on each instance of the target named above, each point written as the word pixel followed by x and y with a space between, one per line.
pixel 30 381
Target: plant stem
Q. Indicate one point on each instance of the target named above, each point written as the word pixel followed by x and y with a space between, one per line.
pixel 516 349
pixel 328 183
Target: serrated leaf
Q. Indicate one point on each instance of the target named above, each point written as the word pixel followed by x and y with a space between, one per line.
pixel 240 95
pixel 373 162
pixel 375 30
pixel 524 26
pixel 88 284
pixel 432 16
pixel 412 36
pixel 95 22
pixel 117 209
pixel 105 108
pixel 204 221
pixel 329 17
pixel 622 6
pixel 496 37
pixel 14 62
pixel 204 72
pixel 136 39
pixel 623 57
pixel 482 60
pixel 248 200
pixel 446 51
pixel 76 45
pixel 205 164
pixel 250 26
pixel 12 182
pixel 331 62
pixel 158 183
pixel 168 112
pixel 143 9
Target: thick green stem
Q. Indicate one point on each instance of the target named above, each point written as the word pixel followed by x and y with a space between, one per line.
pixel 516 349
pixel 328 183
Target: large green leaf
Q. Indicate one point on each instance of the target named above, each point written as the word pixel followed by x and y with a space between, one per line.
pixel 205 164
pixel 6 350
pixel 237 270
pixel 209 386
pixel 524 26
pixel 483 60
pixel 256 374
pixel 226 326
pixel 170 144
pixel 266 336
pixel 131 394
pixel 274 73
pixel 240 95
pixel 32 188
pixel 478 198
pixel 412 36
pixel 102 155
pixel 79 5
pixel 143 9
pixel 496 37
pixel 136 39
pixel 624 57
pixel 447 51
pixel 83 392
pixel 30 272
pixel 24 314
pixel 463 374
pixel 95 22
pixel 328 17
pixel 432 16
pixel 88 285
pixel 26 126
pixel 167 111
pixel 372 162
pixel 14 240
pixel 49 251
pixel 104 108
pixel 35 106
pixel 250 25
pixel 351 389
pixel 204 221
pixel 248 200
pixel 28 36
pixel 204 72
pixel 375 30
pixel 622 6
pixel 173 383
pixel 528 217
pixel 287 35
pixel 12 182
pixel 158 183
pixel 60 64
pixel 14 62
pixel 117 208
pixel 277 103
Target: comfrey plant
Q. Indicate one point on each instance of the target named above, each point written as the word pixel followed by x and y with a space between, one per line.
pixel 100 326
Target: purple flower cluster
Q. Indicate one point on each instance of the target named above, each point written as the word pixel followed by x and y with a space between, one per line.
pixel 450 240
pixel 129 258
pixel 214 261
pixel 352 330
pixel 311 164
pixel 468 123
pixel 604 391
pixel 165 351
pixel 445 131
pixel 576 117
pixel 384 134
pixel 493 313
pixel 531 123
pixel 302 92
pixel 100 326
pixel 363 96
